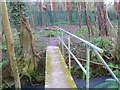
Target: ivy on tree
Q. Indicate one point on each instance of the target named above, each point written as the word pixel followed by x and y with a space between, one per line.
pixel 15 10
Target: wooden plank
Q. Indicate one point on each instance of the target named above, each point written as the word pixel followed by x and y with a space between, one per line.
pixel 57 74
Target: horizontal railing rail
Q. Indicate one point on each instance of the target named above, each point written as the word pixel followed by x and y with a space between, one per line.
pixel 89 46
pixel 74 57
pixel 86 42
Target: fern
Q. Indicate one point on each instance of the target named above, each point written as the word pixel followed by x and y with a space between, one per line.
pixel 109 83
pixel 78 70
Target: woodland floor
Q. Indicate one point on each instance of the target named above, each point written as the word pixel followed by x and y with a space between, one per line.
pixel 54 41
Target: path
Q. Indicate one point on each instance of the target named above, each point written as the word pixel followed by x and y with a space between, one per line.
pixel 53 42
pixel 57 74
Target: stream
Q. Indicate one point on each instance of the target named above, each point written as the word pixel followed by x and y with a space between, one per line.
pixel 93 81
pixel 79 82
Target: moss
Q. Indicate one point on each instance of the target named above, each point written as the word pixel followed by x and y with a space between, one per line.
pixel 50 33
pixel 48 65
pixel 68 76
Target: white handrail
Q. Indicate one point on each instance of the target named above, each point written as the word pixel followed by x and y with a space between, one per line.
pixel 74 57
pixel 107 67
pixel 89 45
pixel 86 42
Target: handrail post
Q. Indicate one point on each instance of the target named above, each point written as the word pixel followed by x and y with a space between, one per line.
pixel 89 46
pixel 62 44
pixel 87 66
pixel 69 53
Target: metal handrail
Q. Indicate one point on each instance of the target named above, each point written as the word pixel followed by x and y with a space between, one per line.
pixel 74 56
pixel 107 67
pixel 86 42
pixel 89 45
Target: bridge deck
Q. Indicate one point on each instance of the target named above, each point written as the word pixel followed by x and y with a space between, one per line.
pixel 57 74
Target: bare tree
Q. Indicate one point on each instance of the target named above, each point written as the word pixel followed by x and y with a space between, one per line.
pixel 69 8
pixel 116 3
pixel 53 5
pixel 87 20
pixel 54 9
pixel 118 35
pixel 10 46
pixel 90 31
pixel 102 19
pixel 39 10
pixel 109 19
pixel 32 21
pixel 79 14
pixel 95 14
pixel 109 22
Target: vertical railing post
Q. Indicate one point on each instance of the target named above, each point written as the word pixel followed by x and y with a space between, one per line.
pixel 87 66
pixel 69 53
pixel 62 44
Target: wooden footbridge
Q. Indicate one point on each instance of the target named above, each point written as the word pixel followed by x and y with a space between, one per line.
pixel 57 73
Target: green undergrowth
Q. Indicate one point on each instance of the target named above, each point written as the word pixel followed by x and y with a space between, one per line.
pixel 84 30
pixel 77 72
pixel 48 33
pixel 81 31
pixel 27 73
pixel 48 65
pixel 108 45
pixel 109 83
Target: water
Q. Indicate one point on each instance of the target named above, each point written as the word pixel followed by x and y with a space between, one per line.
pixel 34 87
pixel 79 82
pixel 93 81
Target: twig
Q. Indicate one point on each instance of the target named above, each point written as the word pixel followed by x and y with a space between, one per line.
pixel 108 57
pixel 97 63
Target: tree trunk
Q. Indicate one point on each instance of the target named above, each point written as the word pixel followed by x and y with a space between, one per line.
pixel 26 39
pixel 1 56
pixel 79 14
pixel 40 12
pixel 109 19
pixel 31 14
pixel 118 37
pixel 111 25
pixel 102 19
pixel 87 19
pixel 95 19
pixel 54 9
pixel 0 28
pixel 53 5
pixel 10 46
pixel 69 8
pixel 116 3
pixel 30 47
